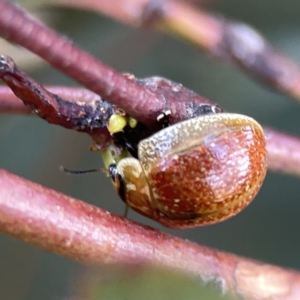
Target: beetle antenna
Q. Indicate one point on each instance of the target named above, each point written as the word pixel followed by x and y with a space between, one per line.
pixel 63 169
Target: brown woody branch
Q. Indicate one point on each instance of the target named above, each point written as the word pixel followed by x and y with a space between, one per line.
pixel 90 114
pixel 11 103
pixel 90 235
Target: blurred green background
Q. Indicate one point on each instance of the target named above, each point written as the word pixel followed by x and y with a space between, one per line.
pixel 267 230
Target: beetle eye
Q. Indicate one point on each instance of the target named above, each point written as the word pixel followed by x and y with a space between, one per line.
pixel 113 172
pixel 118 181
pixel 206 109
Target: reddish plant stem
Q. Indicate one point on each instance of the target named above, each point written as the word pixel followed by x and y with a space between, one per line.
pixel 18 27
pixel 9 103
pixel 233 42
pixel 136 98
pixel 47 219
pixel 92 114
pixel 236 43
pixel 283 152
pixel 90 235
pixel 12 104
pixel 87 116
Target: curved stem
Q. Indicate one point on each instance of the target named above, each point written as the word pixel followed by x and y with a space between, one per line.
pixel 18 27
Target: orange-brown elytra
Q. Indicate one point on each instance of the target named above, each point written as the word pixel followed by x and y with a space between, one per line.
pixel 197 172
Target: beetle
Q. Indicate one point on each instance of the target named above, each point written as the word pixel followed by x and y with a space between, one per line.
pixel 196 172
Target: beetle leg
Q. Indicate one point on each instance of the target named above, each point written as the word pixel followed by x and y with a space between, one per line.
pixel 164 118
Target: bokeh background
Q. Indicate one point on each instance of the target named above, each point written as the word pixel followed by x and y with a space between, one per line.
pixel 267 230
